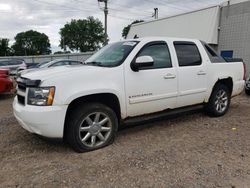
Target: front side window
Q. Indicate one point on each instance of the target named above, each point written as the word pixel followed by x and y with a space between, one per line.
pixel 188 54
pixel 112 55
pixel 160 54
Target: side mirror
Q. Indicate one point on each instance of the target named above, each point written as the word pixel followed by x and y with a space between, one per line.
pixel 143 61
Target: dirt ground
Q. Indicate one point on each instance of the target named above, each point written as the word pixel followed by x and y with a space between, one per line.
pixel 191 150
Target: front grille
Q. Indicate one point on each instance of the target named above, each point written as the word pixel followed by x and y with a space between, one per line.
pixel 21 90
pixel 21 99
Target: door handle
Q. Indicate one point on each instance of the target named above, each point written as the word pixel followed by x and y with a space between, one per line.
pixel 201 73
pixel 169 76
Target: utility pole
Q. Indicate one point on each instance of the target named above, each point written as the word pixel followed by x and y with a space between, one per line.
pixel 106 19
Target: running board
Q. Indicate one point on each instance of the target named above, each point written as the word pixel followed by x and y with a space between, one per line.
pixel 164 114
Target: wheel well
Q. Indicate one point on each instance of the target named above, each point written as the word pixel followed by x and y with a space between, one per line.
pixel 227 82
pixel 107 99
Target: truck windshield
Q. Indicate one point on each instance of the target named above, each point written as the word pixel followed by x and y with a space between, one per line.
pixel 112 55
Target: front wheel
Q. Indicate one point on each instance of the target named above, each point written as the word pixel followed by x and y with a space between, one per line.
pixel 91 126
pixel 219 101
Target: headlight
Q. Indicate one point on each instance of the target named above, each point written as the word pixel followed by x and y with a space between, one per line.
pixel 43 96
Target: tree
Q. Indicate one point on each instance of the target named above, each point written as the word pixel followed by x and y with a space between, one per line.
pixel 4 47
pixel 31 43
pixel 126 29
pixel 84 35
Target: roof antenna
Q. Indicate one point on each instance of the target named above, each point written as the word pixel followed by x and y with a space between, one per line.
pixel 156 13
pixel 136 37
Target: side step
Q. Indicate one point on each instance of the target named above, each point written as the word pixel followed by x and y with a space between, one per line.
pixel 162 115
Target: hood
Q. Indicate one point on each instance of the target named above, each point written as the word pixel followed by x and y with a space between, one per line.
pixel 27 71
pixel 50 73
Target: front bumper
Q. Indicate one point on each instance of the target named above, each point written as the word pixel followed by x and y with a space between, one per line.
pixel 47 121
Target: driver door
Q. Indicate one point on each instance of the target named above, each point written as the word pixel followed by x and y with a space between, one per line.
pixel 152 88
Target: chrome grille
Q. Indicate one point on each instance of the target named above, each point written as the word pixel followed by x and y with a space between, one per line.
pixel 21 99
pixel 21 90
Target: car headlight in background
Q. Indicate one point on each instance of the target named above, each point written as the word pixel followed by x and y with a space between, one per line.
pixel 42 96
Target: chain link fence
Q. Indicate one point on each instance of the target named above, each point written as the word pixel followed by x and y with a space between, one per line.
pixel 46 58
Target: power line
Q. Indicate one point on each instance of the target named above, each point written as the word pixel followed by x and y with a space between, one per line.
pixel 112 3
pixel 165 4
pixel 123 18
pixel 119 9
pixel 129 7
pixel 73 9
pixel 69 7
pixel 88 10
pixel 128 12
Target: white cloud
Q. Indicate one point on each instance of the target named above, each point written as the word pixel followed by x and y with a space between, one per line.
pixel 5 7
pixel 48 16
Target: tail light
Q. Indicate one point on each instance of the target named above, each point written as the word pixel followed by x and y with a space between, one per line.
pixel 245 72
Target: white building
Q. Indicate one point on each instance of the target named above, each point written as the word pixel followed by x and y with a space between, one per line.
pixel 226 27
pixel 202 24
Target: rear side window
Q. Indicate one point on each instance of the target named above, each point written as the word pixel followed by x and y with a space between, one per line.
pixel 160 54
pixel 188 54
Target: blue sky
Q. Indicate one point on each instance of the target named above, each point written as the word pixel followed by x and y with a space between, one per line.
pixel 48 16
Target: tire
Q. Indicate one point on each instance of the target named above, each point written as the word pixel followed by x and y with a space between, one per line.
pixel 247 91
pixel 91 126
pixel 219 101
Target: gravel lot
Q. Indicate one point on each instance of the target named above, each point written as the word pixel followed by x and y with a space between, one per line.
pixel 191 150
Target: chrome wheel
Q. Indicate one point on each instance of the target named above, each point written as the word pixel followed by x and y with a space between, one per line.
pixel 95 129
pixel 221 101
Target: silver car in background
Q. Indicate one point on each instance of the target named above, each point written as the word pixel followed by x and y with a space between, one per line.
pixel 14 65
pixel 54 63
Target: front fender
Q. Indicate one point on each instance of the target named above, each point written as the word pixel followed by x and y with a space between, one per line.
pixel 100 91
pixel 91 92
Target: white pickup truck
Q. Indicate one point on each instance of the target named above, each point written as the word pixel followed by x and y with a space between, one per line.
pixel 85 104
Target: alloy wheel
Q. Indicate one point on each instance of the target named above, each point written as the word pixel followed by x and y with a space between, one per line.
pixel 221 101
pixel 95 129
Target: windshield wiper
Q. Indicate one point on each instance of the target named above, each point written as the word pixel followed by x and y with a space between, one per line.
pixel 100 64
pixel 93 63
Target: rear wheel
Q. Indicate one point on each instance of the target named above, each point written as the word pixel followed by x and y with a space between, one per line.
pixel 219 101
pixel 91 126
